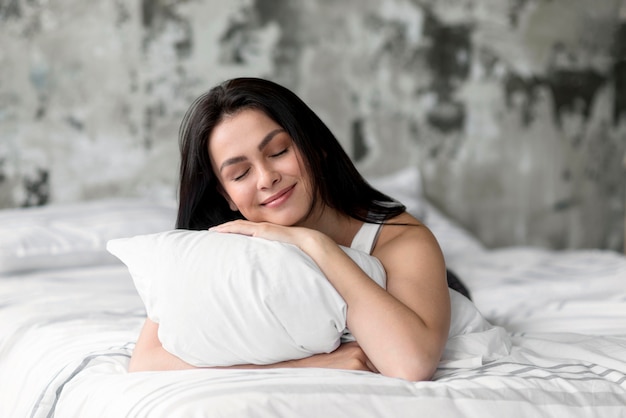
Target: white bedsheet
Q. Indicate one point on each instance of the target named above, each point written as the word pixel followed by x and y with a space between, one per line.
pixel 66 336
pixel 534 290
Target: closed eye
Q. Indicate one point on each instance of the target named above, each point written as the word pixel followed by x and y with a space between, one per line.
pixel 278 154
pixel 241 176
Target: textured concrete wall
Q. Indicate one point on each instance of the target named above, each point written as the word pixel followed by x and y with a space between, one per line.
pixel 513 110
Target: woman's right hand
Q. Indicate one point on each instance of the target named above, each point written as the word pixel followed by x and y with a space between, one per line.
pixel 348 356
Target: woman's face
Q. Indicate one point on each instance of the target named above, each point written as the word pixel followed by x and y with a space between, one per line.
pixel 260 169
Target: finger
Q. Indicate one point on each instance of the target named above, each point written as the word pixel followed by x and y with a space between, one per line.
pixel 370 365
pixel 235 227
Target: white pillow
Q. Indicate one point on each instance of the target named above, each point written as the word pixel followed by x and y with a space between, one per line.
pixel 75 234
pixel 225 299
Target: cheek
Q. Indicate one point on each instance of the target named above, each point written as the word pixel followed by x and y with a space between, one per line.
pixel 298 164
pixel 303 172
pixel 237 195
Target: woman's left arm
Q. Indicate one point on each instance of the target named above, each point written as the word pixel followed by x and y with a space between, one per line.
pixel 403 329
pixel 406 335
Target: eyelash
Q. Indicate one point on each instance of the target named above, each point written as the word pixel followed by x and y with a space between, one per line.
pixel 241 176
pixel 278 154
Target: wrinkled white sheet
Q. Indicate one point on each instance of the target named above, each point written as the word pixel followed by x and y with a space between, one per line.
pixel 66 336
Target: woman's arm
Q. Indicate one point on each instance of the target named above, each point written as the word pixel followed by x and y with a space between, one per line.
pixel 149 355
pixel 407 333
pixel 402 330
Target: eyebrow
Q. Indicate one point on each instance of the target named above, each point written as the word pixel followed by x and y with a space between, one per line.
pixel 264 142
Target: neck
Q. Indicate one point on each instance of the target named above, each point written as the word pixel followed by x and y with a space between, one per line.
pixel 339 227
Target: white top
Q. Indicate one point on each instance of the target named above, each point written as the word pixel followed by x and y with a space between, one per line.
pixel 366 237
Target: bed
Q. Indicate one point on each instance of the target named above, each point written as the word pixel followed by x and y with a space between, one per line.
pixel 69 316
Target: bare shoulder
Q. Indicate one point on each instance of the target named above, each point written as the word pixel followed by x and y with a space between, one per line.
pixel 404 232
pixel 409 250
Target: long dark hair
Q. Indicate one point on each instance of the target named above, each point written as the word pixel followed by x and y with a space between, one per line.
pixel 335 180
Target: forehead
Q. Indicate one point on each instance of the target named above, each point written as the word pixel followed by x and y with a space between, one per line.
pixel 249 125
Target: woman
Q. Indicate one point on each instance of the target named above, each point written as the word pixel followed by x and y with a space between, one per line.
pixel 256 160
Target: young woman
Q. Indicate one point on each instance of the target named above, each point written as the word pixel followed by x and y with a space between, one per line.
pixel 256 160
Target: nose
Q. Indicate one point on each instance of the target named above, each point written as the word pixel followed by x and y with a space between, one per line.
pixel 268 177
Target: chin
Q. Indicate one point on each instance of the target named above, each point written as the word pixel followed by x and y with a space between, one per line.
pixel 288 219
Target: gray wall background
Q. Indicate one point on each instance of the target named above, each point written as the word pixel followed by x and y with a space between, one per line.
pixel 514 110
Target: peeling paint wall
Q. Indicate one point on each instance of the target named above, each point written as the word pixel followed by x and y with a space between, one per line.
pixel 515 111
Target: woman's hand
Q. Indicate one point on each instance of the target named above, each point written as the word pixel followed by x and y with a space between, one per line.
pixel 348 356
pixel 288 234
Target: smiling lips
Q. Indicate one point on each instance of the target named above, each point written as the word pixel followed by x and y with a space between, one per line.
pixel 278 198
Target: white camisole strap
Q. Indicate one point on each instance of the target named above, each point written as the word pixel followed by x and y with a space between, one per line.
pixel 366 237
